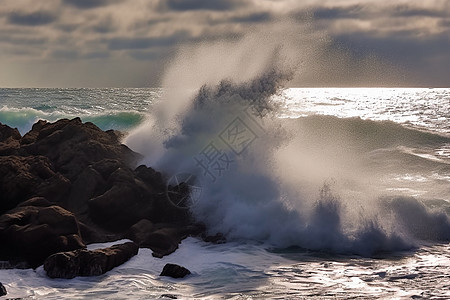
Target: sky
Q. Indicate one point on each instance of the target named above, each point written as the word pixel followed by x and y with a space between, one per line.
pixel 130 43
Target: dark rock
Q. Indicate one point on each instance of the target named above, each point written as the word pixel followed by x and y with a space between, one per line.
pixel 3 291
pixel 170 296
pixel 33 233
pixel 36 201
pixel 175 271
pixel 87 172
pixel 72 145
pixel 24 177
pixel 132 196
pixel 218 238
pixel 163 239
pixel 88 262
pixel 9 140
pixel 140 231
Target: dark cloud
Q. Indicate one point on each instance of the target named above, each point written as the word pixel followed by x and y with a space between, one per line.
pixel 343 12
pixel 445 23
pixel 410 11
pixel 104 26
pixel 68 27
pixel 402 46
pixel 32 19
pixel 370 11
pixel 145 43
pixel 88 4
pixel 253 18
pixel 421 56
pixel 184 5
pixel 18 40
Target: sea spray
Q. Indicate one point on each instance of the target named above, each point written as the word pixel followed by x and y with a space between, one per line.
pixel 262 178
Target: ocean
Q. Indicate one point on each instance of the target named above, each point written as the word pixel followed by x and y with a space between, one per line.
pixel 327 193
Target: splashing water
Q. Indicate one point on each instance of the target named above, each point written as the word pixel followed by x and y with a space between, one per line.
pixel 275 180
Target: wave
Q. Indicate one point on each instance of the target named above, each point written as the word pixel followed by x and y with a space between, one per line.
pixel 318 182
pixel 24 118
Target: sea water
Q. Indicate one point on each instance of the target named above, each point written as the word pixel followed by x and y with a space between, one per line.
pixel 332 193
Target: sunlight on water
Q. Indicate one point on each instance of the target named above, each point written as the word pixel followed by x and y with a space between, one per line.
pixel 422 108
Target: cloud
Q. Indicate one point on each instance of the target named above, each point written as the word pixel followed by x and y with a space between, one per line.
pixel 96 55
pixel 426 59
pixel 252 18
pixel 185 5
pixel 31 19
pixel 411 11
pixel 104 26
pixel 146 42
pixel 411 35
pixel 88 4
pixel 343 12
pixel 66 54
pixel 148 55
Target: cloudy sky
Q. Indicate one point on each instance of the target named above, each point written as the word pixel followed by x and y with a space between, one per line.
pixel 102 43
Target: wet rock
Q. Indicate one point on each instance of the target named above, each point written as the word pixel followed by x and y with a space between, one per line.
pixel 140 231
pixel 175 271
pixel 162 238
pixel 88 262
pixel 3 291
pixel 218 238
pixel 33 233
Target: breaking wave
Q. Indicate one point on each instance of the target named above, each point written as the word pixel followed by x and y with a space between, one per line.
pixel 317 182
pixel 24 118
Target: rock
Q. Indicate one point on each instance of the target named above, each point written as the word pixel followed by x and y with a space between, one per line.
pixel 88 262
pixel 9 140
pixel 170 296
pixel 36 201
pixel 175 271
pixel 24 177
pixel 72 145
pixel 131 196
pixel 218 238
pixel 162 238
pixel 33 233
pixel 140 231
pixel 163 241
pixel 74 174
pixel 3 291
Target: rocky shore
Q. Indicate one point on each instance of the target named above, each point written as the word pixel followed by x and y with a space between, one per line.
pixel 67 184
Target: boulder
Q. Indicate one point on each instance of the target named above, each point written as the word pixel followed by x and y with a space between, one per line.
pixel 3 291
pixel 9 140
pixel 140 231
pixel 175 271
pixel 67 181
pixel 163 239
pixel 24 177
pixel 35 232
pixel 218 238
pixel 72 145
pixel 130 196
pixel 88 262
